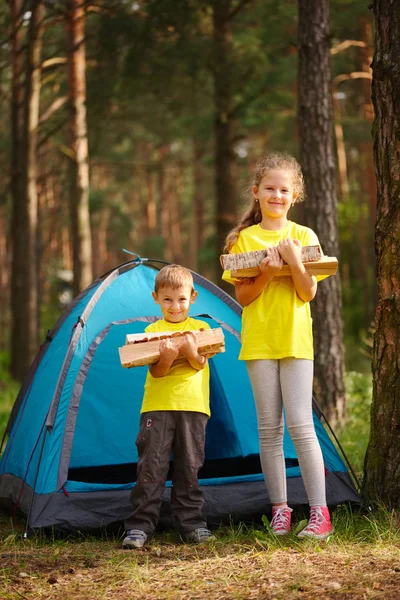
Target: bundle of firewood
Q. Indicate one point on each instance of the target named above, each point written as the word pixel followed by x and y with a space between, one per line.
pixel 144 348
pixel 247 264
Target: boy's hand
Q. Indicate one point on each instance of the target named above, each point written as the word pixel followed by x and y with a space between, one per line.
pixel 290 251
pixel 168 352
pixel 188 347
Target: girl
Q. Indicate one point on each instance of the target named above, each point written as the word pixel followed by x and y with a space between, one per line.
pixel 277 340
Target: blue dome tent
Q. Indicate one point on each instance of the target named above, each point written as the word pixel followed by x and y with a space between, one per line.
pixel 70 456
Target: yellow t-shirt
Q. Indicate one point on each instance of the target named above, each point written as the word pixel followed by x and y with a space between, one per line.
pixel 182 388
pixel 278 323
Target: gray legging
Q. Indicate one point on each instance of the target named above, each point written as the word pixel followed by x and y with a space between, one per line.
pixel 287 382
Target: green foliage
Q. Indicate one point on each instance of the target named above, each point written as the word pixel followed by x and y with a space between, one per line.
pixel 8 391
pixel 353 433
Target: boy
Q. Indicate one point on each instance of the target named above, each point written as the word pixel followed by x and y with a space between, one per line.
pixel 174 416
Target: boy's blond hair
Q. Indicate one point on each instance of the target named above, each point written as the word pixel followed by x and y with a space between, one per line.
pixel 173 276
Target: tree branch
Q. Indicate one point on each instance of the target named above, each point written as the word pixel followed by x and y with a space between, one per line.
pixel 53 108
pixel 52 62
pixel 347 44
pixel 354 75
pixel 59 126
pixel 237 9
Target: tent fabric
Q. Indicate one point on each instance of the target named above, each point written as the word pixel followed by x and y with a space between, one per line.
pixel 70 458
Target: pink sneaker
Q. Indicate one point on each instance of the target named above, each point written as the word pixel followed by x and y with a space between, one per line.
pixel 319 526
pixel 281 517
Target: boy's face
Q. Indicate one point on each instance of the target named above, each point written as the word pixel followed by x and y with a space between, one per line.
pixel 175 303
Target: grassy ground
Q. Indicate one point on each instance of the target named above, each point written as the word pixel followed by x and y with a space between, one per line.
pixel 361 561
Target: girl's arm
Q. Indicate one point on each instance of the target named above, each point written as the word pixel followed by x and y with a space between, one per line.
pixel 250 289
pixel 305 284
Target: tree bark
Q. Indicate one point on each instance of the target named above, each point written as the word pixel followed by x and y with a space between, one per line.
pixel 318 163
pixel 25 117
pixel 4 282
pixel 223 129
pixel 382 473
pixel 197 225
pixel 79 163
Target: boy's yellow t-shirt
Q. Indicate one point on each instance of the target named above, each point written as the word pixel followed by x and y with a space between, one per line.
pixel 182 388
pixel 278 323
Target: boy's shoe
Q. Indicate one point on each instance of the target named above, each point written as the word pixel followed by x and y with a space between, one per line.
pixel 199 536
pixel 319 526
pixel 281 519
pixel 135 538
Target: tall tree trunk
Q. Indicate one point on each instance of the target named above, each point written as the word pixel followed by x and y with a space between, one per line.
pixel 165 201
pixel 79 164
pixel 175 198
pixel 4 282
pixel 197 225
pixel 318 163
pixel 368 179
pixel 25 197
pixel 18 205
pixel 382 473
pixel 223 128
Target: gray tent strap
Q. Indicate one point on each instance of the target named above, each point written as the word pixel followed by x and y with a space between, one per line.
pixel 76 396
pixel 72 345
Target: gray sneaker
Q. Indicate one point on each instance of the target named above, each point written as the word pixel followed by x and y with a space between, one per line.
pixel 135 538
pixel 199 536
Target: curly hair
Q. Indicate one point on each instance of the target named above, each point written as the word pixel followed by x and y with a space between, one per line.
pixel 252 214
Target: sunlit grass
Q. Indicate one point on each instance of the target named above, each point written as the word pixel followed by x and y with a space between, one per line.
pixel 245 560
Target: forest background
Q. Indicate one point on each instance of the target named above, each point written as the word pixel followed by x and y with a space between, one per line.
pixel 179 100
pixel 136 124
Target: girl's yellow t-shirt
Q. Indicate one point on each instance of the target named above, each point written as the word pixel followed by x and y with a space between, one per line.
pixel 278 323
pixel 182 388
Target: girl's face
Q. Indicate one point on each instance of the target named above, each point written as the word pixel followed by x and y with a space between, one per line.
pixel 275 194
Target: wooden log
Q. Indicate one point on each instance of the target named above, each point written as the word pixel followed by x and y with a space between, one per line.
pixel 327 265
pixel 247 260
pixel 144 348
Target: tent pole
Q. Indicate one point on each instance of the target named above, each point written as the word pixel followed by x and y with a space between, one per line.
pixel 3 440
pixel 28 516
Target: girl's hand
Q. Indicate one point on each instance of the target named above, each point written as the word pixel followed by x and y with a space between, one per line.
pixel 290 251
pixel 168 352
pixel 272 263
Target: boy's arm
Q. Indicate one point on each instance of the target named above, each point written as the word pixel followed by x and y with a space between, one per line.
pixel 168 353
pixel 188 349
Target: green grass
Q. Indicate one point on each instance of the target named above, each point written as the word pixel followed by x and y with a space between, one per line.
pixel 353 433
pixel 361 560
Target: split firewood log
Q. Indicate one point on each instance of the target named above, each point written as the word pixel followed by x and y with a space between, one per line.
pixel 246 264
pixel 144 348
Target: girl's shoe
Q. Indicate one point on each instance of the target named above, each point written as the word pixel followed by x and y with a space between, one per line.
pixel 319 526
pixel 281 518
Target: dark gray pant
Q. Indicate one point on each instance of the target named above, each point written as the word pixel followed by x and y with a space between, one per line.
pixel 162 433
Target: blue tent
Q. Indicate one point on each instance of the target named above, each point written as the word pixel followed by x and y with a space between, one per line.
pixel 70 455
